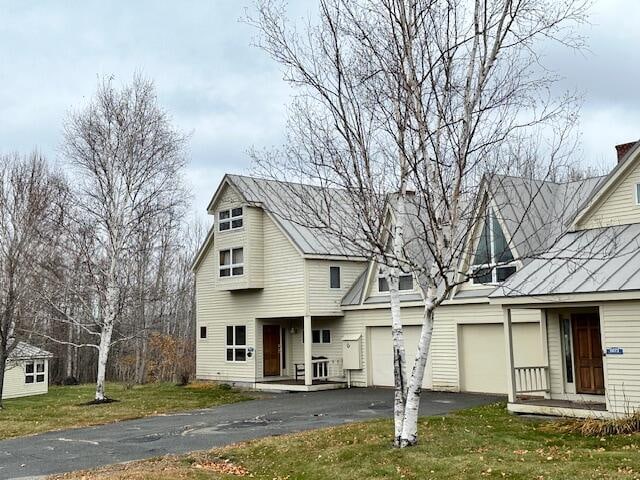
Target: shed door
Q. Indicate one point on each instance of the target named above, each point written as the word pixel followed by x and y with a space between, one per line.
pixel 381 355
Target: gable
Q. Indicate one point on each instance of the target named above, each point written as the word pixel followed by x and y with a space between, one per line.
pixel 616 205
pixel 227 196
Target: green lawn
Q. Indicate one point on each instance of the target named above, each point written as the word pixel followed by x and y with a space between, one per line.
pixel 482 442
pixel 63 407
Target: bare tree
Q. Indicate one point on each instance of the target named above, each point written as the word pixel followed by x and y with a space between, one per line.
pixel 32 201
pixel 408 109
pixel 127 160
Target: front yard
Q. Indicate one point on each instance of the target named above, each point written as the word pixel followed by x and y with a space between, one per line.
pixel 65 407
pixel 483 442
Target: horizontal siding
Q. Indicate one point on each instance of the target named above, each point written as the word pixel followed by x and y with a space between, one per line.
pixel 322 298
pixel 619 206
pixel 14 385
pixel 282 296
pixel 621 322
pixel 556 362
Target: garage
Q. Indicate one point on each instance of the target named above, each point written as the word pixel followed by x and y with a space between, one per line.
pixel 483 365
pixel 381 355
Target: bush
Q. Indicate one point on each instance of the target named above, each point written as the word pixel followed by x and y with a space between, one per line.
pixel 596 427
pixel 70 381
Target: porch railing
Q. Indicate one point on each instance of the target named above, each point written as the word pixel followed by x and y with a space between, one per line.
pixel 321 368
pixel 532 379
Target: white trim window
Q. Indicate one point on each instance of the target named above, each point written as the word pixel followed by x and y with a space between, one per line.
pixel 230 219
pixel 405 282
pixel 236 343
pixel 34 372
pixel 321 336
pixel 232 262
pixel 637 194
pixel 493 260
pixel 334 277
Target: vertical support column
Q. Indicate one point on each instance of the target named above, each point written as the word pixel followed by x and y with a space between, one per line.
pixel 508 340
pixel 544 337
pixel 308 342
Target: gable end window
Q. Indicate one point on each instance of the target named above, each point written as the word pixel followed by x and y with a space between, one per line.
pixel 232 262
pixel 203 332
pixel 334 277
pixel 493 260
pixel 236 343
pixel 230 219
pixel 637 193
pixel 34 372
pixel 405 282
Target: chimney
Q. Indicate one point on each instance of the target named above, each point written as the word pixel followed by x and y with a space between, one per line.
pixel 623 148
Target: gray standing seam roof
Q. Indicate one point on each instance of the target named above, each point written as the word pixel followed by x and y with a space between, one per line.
pixel 282 200
pixel 597 260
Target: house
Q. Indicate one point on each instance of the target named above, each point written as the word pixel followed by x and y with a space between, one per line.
pixel 27 372
pixel 566 289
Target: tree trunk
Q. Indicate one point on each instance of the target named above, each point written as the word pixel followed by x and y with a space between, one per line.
pixel 103 356
pixel 3 366
pixel 399 359
pixel 409 434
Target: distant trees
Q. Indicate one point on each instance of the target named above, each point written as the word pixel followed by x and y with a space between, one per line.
pixel 32 209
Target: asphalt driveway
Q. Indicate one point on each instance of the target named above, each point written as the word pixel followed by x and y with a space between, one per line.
pixel 67 450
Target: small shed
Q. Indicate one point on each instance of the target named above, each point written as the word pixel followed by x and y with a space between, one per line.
pixel 27 371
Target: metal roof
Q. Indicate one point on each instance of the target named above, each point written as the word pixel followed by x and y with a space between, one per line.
pixel 25 350
pixel 595 260
pixel 296 208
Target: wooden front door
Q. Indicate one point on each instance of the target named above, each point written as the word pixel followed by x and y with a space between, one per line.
pixel 271 349
pixel 588 353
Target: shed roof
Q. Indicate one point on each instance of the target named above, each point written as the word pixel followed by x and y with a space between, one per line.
pixel 25 350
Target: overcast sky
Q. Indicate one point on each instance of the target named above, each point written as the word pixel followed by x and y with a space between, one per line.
pixel 227 94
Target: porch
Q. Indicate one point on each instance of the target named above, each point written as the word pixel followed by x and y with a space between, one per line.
pixel 570 380
pixel 299 354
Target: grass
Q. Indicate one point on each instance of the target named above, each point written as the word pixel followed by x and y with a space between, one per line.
pixel 483 442
pixel 65 407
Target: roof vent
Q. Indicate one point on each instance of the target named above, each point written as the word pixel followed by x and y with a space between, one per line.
pixel 623 148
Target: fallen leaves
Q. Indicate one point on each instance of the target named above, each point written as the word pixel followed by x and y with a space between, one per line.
pixel 221 466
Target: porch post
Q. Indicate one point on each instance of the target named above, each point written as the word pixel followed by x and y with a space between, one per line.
pixel 508 337
pixel 308 342
pixel 545 351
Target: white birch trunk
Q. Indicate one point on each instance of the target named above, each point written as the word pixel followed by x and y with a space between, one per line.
pixel 399 358
pixel 103 356
pixel 409 435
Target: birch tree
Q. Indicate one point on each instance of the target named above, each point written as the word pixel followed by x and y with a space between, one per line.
pixel 127 159
pixel 32 199
pixel 408 108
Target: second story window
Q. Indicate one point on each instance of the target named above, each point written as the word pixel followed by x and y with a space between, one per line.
pixel 493 259
pixel 230 219
pixel 406 282
pixel 232 262
pixel 637 193
pixel 334 277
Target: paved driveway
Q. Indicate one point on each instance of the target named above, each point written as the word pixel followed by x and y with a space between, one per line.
pixel 67 450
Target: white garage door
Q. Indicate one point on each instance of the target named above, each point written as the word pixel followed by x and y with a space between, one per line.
pixel 483 364
pixel 381 355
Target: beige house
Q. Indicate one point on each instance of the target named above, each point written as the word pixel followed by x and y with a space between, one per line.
pixel 557 332
pixel 27 372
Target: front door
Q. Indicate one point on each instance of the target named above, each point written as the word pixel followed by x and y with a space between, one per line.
pixel 271 349
pixel 588 353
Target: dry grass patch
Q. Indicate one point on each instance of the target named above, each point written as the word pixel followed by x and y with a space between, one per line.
pixel 594 427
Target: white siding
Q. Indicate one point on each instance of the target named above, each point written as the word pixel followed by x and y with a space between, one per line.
pixel 619 206
pixel 556 362
pixel 621 321
pixel 15 386
pixel 322 299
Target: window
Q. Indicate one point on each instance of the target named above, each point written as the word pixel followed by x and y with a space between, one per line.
pixel 319 336
pixel 236 343
pixel 334 277
pixel 493 259
pixel 231 262
pixel 637 193
pixel 203 332
pixel 230 219
pixel 34 372
pixel 406 282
